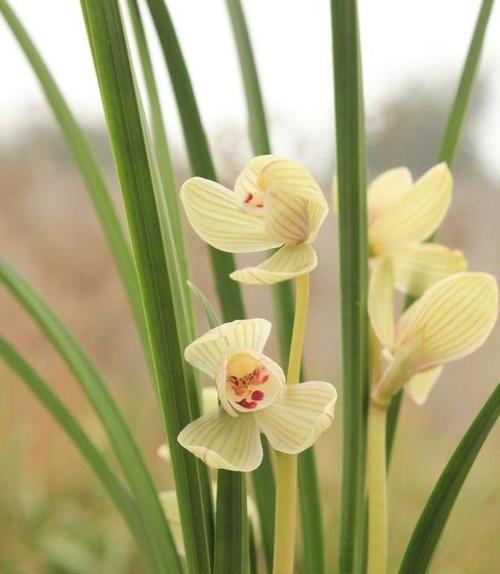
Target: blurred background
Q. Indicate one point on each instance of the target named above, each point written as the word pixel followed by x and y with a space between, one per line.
pixel 54 517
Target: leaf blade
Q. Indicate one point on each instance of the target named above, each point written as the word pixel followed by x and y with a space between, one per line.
pixel 433 519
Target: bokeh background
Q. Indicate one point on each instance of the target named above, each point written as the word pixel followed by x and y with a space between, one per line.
pixel 54 517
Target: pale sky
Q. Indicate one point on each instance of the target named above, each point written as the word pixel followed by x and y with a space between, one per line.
pixel 405 44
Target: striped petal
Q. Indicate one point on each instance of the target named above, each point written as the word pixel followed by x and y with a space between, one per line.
pixel 295 420
pixel 289 178
pixel 288 262
pixel 216 215
pixel 417 267
pixel 416 215
pixel 381 301
pixel 453 318
pixel 223 441
pixel 273 179
pixel 386 190
pixel 421 384
pixel 209 351
pixel 209 402
pixel 171 509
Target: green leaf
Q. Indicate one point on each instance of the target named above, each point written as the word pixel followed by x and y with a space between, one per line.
pixel 158 268
pixel 91 382
pixel 113 486
pixel 353 274
pixel 231 529
pixel 433 519
pixel 447 152
pixel 210 313
pixel 87 165
pixel 458 110
pixel 228 291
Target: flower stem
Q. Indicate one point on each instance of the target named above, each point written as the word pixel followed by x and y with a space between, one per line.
pixel 286 464
pixel 377 490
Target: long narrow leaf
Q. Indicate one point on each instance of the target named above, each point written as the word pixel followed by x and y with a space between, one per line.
pixel 86 163
pixel 353 274
pixel 458 110
pixel 159 282
pixel 448 149
pixel 432 521
pixel 230 487
pixel 124 446
pixel 113 486
pixel 310 506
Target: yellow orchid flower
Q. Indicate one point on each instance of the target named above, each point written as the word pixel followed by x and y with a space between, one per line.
pixel 451 320
pixel 401 215
pixel 275 203
pixel 253 399
pixel 168 498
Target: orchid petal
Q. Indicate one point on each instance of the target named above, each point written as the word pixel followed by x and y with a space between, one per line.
pixel 215 213
pixel 386 190
pixel 416 215
pixel 288 262
pixel 287 178
pixel 223 441
pixel 208 351
pixel 417 267
pixel 453 318
pixel 381 301
pixel 296 419
pixel 421 384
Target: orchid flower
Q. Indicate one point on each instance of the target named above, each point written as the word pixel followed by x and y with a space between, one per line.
pixel 451 320
pixel 253 399
pixel 401 216
pixel 168 498
pixel 275 203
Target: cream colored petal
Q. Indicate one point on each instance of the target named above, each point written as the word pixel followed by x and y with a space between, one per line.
pixel 421 384
pixel 381 301
pixel 222 441
pixel 170 506
pixel 289 179
pixel 288 262
pixel 248 183
pixel 208 351
pixel 417 214
pixel 453 318
pixel 417 267
pixel 386 190
pixel 209 399
pixel 295 420
pixel 215 214
pixel 286 217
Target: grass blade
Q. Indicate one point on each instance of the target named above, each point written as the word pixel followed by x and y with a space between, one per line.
pixel 160 282
pixel 228 291
pixel 124 446
pixel 231 532
pixel 86 164
pixel 353 274
pixel 447 152
pixel 210 314
pixel 458 110
pixel 433 519
pixel 159 134
pixel 113 486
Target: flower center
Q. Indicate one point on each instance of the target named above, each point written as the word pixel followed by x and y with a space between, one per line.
pixel 245 380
